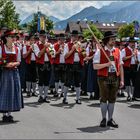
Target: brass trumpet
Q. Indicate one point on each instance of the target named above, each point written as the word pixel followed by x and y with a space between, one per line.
pixel 79 48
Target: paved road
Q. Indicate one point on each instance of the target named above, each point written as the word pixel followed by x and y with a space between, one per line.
pixel 72 121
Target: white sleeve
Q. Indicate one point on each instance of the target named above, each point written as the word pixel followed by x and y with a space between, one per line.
pixel 0 52
pixel 36 49
pixel 19 55
pixel 96 58
pixel 123 53
pixel 121 60
pixel 87 50
pixel 66 49
pixel 24 50
pixel 139 56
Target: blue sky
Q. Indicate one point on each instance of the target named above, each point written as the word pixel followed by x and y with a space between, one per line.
pixel 59 9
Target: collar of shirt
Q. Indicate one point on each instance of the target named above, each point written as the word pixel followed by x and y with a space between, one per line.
pixel 111 50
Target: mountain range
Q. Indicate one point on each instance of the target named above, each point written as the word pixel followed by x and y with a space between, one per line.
pixel 121 11
pixel 30 18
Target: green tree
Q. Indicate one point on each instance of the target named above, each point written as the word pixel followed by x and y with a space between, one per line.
pixel 32 26
pixel 87 34
pixel 8 15
pixel 126 31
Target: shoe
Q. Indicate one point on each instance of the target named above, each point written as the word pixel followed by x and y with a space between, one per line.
pixel 46 100
pixel 56 95
pixel 91 97
pixel 61 95
pixel 112 123
pixel 34 94
pixel 103 123
pixel 78 101
pixel 135 99
pixel 65 101
pixel 129 98
pixel 40 100
pixel 122 95
pixel 5 119
pixel 28 94
pixel 10 118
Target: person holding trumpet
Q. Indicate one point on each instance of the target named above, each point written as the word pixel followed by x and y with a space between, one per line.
pixel 74 56
pixel 30 59
pixel 129 56
pixel 108 62
pixel 59 64
pixel 44 58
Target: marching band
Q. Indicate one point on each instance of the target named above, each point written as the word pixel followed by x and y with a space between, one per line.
pixel 28 61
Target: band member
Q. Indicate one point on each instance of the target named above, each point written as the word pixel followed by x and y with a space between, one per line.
pixel 10 88
pixel 137 80
pixel 108 77
pixel 59 64
pixel 31 75
pixel 129 55
pixel 44 52
pixel 74 64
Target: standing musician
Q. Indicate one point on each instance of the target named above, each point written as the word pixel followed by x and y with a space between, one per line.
pixel 74 63
pixel 31 75
pixel 59 64
pixel 129 56
pixel 44 58
pixel 110 69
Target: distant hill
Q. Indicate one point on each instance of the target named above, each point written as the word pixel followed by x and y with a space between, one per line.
pixel 30 18
pixel 116 11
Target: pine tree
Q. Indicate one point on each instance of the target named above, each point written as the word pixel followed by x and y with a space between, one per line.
pixel 8 14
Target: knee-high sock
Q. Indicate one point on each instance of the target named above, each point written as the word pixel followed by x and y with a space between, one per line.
pixel 77 93
pixel 110 110
pixel 9 113
pixel 103 109
pixel 62 87
pixel 132 90
pixel 28 85
pixel 34 87
pixel 56 87
pixel 46 91
pixel 65 92
pixel 128 90
pixel 40 91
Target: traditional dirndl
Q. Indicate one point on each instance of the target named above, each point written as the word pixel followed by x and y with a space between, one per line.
pixel 92 84
pixel 10 91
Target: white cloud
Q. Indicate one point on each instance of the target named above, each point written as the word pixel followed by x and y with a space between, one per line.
pixel 59 9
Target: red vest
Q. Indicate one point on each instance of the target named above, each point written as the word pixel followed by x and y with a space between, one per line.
pixel 103 59
pixel 70 59
pixel 41 59
pixel 57 58
pixel 127 62
pixel 28 58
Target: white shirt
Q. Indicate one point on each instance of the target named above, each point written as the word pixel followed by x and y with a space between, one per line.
pixel 76 55
pixel 123 53
pixel 62 59
pixel 9 52
pixel 32 54
pixel 37 50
